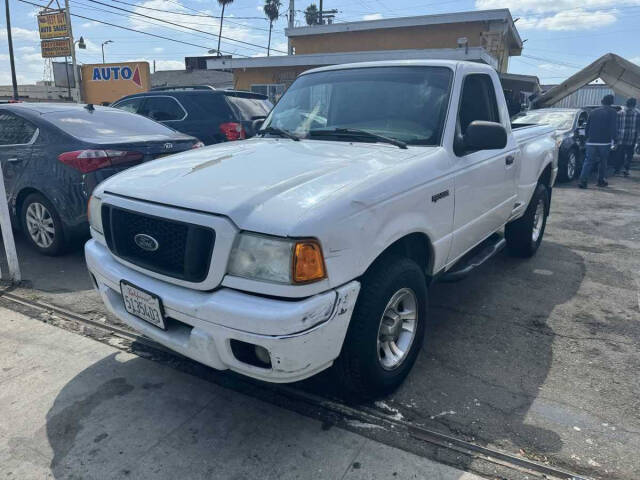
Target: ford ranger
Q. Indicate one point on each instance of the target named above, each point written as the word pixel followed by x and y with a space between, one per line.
pixel 314 244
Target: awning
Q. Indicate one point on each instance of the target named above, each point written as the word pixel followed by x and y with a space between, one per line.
pixel 621 75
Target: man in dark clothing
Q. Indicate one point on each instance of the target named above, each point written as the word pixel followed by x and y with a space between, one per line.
pixel 628 129
pixel 601 133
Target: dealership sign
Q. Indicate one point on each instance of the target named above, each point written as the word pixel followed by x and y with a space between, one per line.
pixel 117 72
pixel 53 25
pixel 60 47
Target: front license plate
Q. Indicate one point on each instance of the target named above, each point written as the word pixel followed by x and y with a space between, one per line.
pixel 142 304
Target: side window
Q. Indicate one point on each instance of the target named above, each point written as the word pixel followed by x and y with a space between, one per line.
pixel 131 105
pixel 15 130
pixel 162 109
pixel 478 101
pixel 582 120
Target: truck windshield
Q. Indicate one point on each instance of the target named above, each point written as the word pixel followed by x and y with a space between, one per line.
pixel 402 103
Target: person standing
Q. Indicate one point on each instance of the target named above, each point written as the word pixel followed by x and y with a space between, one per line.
pixel 628 129
pixel 601 132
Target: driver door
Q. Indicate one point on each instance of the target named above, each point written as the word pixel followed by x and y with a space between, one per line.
pixel 485 181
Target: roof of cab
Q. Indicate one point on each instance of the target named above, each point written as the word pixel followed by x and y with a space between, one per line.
pixel 399 63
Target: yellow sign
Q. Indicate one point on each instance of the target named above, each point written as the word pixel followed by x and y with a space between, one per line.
pixel 109 82
pixel 60 47
pixel 53 25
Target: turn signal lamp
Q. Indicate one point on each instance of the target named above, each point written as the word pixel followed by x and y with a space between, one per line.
pixel 308 262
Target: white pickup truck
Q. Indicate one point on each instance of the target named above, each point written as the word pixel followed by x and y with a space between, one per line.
pixel 315 243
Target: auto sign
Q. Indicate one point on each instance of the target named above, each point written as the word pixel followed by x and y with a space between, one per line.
pixel 106 83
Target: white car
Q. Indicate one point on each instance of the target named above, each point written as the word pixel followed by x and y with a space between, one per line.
pixel 314 244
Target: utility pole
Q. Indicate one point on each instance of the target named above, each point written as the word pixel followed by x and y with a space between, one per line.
pixel 320 15
pixel 292 15
pixel 76 80
pixel 11 60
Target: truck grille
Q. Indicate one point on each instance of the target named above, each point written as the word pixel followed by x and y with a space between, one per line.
pixel 175 249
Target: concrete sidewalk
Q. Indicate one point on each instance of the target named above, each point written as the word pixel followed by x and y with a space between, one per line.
pixel 74 408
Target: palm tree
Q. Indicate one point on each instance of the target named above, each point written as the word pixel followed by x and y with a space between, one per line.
pixel 311 15
pixel 222 3
pixel 272 11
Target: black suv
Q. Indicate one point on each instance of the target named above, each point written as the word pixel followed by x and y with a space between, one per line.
pixel 210 115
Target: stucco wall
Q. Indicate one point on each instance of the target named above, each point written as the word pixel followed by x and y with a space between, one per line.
pixel 244 78
pixel 432 36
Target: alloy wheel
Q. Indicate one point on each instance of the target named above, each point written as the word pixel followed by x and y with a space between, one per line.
pixel 397 328
pixel 40 225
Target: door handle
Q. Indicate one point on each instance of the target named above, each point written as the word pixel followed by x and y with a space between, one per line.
pixel 509 160
pixel 14 160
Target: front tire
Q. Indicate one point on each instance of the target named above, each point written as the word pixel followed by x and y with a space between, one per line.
pixel 386 330
pixel 524 235
pixel 42 226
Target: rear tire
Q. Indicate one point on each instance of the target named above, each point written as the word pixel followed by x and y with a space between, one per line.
pixel 386 331
pixel 42 226
pixel 525 234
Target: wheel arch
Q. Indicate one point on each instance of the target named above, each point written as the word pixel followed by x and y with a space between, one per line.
pixel 546 177
pixel 416 246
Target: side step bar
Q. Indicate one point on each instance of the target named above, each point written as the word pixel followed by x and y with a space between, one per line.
pixel 483 252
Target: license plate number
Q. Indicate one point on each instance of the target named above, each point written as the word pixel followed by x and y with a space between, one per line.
pixel 142 304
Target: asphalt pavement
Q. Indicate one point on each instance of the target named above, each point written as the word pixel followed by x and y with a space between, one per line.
pixel 538 357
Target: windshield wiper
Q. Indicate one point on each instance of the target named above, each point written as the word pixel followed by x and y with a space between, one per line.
pixel 280 132
pixel 356 132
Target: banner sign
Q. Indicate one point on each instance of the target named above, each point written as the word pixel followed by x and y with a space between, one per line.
pixel 53 25
pixel 56 48
pixel 106 83
pixel 117 72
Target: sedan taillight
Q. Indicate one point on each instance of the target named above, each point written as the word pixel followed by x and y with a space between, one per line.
pixel 233 131
pixel 87 161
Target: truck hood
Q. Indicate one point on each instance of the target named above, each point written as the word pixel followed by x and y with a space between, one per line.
pixel 262 184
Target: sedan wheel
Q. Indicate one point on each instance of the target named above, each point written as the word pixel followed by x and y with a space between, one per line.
pixel 40 225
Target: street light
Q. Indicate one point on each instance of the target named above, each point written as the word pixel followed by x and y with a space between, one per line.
pixel 81 44
pixel 103 44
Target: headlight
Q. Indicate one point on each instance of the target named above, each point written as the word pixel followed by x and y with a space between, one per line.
pixel 280 260
pixel 94 212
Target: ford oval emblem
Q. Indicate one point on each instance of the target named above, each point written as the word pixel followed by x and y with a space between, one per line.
pixel 146 242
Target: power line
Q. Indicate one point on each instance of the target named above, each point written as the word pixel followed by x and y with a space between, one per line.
pixel 199 14
pixel 125 28
pixel 178 25
pixel 83 5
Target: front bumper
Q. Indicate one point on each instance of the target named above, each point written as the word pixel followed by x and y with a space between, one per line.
pixel 302 337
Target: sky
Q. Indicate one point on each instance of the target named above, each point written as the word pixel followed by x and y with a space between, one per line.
pixel 562 36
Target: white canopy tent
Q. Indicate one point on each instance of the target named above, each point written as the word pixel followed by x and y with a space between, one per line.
pixel 621 75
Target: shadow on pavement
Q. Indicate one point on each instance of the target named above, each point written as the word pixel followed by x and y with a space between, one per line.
pixel 488 353
pixel 126 417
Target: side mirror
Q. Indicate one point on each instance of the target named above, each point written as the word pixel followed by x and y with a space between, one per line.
pixel 482 135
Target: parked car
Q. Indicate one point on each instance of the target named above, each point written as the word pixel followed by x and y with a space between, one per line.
pixel 211 115
pixel 590 108
pixel 54 154
pixel 569 124
pixel 315 243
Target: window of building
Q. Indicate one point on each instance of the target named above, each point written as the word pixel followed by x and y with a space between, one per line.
pixel 274 90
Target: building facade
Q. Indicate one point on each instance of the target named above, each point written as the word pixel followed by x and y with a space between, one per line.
pixel 487 36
